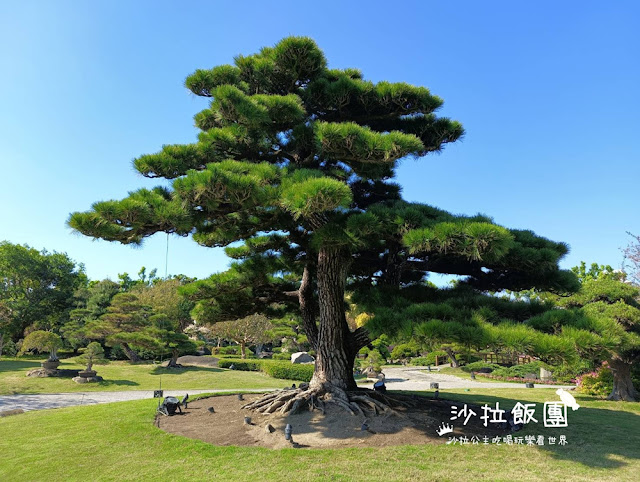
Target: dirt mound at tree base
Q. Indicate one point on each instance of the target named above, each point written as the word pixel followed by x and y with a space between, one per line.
pixel 311 429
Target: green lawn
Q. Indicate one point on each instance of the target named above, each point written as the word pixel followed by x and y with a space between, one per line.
pixel 124 376
pixel 119 441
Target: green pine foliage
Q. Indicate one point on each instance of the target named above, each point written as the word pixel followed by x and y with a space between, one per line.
pixel 601 322
pixel 294 164
pixel 93 354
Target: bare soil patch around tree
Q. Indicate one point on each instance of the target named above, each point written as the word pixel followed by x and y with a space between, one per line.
pixel 336 428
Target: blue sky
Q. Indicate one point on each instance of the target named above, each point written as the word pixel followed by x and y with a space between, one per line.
pixel 547 92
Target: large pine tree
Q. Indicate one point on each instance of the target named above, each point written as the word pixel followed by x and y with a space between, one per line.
pixel 293 169
pixel 602 321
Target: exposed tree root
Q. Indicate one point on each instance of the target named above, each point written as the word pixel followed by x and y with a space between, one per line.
pixel 358 402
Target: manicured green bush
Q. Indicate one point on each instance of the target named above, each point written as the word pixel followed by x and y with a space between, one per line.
pixel 598 382
pixel 568 372
pixel 520 370
pixel 519 379
pixel 232 350
pixel 274 368
pixel 287 370
pixel 430 359
pixel 239 357
pixel 10 349
pixel 373 361
pixel 238 364
pixel 404 350
pixel 282 356
pixel 382 344
pixel 420 361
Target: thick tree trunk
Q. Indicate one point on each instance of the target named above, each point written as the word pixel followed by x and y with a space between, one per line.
pixel 393 273
pixel 243 350
pixel 623 388
pixel 131 355
pixel 336 347
pixel 452 357
pixel 173 362
pixel 53 354
pixel 335 351
pixel 307 307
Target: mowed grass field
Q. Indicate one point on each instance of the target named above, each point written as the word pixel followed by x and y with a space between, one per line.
pixel 119 441
pixel 122 375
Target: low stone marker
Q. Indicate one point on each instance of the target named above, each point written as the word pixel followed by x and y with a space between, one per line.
pixel 545 374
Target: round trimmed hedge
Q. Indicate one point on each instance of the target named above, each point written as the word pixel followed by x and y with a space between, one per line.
pixel 274 368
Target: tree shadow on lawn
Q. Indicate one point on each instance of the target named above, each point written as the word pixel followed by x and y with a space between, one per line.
pixel 13 365
pixel 597 437
pixel 118 383
pixel 158 370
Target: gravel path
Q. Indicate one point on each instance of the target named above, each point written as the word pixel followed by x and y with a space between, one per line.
pixel 396 378
pixel 414 378
pixel 196 361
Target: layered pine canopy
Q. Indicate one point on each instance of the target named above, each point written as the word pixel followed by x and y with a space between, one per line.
pixel 293 156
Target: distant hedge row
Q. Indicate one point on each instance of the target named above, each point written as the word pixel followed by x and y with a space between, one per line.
pixel 274 368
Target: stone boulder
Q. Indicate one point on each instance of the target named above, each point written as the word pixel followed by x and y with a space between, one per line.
pixel 45 372
pixel 545 374
pixel 42 373
pixel 370 372
pixel 302 357
pixel 87 379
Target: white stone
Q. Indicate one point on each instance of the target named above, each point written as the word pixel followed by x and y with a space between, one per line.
pixel 301 357
pixel 545 374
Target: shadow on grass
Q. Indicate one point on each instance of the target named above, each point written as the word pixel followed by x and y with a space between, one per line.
pixel 118 383
pixel 13 365
pixel 597 437
pixel 158 370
